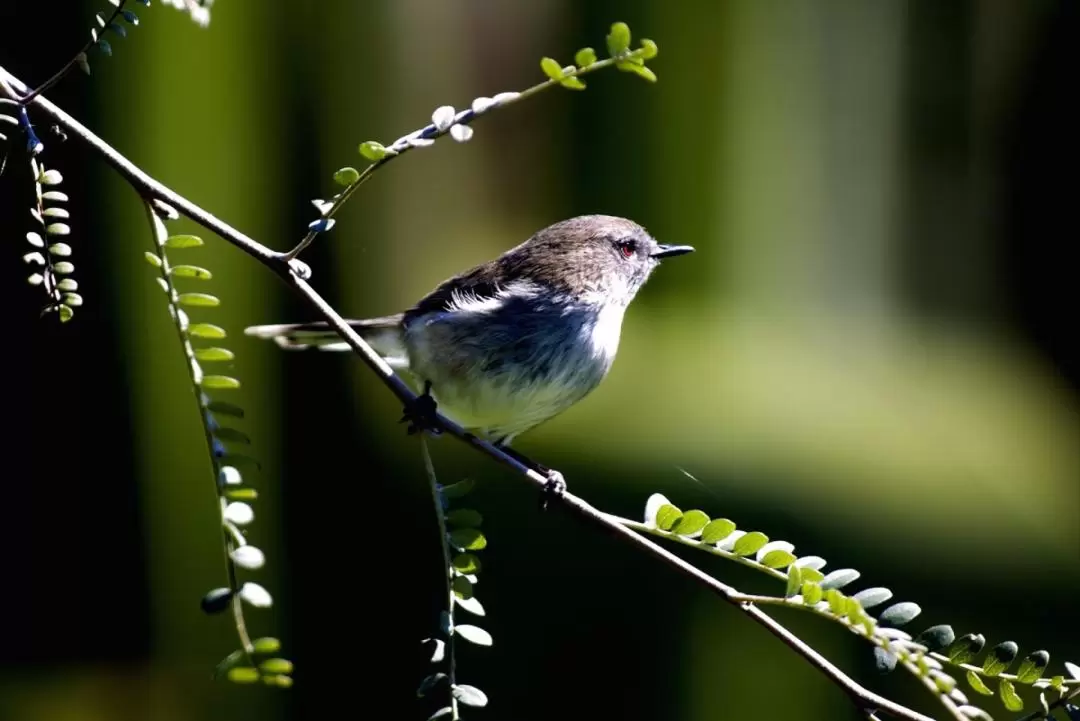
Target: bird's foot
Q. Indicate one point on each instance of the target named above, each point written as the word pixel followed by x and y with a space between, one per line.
pixel 422 414
pixel 553 489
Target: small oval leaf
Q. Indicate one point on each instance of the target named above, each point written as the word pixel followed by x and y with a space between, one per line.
pixel 749 544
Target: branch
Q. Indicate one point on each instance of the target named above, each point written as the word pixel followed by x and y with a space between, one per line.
pixel 290 271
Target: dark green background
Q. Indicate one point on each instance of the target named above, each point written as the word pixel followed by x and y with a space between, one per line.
pixel 872 354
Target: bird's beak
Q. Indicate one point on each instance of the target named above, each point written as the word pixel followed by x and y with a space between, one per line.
pixel 670 251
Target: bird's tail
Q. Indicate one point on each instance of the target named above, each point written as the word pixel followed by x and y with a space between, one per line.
pixel 382 334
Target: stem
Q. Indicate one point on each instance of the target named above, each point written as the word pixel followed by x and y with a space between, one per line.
pixel 653 531
pixel 444 542
pixel 231 543
pixel 70 63
pixel 431 132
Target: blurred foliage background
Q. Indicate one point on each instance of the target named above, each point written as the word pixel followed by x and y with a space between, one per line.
pixel 872 354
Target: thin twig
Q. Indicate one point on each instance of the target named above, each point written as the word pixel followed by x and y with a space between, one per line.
pixel 430 132
pixel 59 75
pixel 444 543
pixel 232 536
pixel 146 186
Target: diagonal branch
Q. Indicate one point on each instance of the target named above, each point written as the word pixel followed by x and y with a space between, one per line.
pixel 290 272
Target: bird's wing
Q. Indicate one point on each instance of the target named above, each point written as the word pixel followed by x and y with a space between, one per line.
pixel 473 286
pixel 383 334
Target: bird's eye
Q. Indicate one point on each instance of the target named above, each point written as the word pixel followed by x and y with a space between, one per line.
pixel 626 247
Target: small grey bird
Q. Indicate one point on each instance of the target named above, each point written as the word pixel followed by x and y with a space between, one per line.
pixel 515 341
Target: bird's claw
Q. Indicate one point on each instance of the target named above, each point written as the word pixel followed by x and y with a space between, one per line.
pixel 553 489
pixel 422 414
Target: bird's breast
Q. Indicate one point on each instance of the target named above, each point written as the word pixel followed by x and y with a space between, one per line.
pixel 508 366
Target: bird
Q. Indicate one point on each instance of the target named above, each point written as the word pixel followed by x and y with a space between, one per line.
pixel 515 341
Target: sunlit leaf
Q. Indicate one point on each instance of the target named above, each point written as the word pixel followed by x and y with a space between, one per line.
pixel 690 523
pixel 618 40
pixel 749 544
pixel 976 683
pixel 716 530
pixel 1008 695
pixel 470 696
pixel 473 634
pixel 585 56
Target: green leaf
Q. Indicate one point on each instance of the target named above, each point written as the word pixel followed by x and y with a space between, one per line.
pixel 183 241
pixel 213 354
pixel 690 523
pixel 206 330
pixel 811 592
pixel 777 559
pixel 618 40
pixel 585 56
pixel 667 517
pixel 225 409
pixel 152 259
pixel 231 435
pixel 716 530
pixel 462 587
pixel 469 696
pixel 58 229
pixel 466 563
pixel 1000 658
pixel 900 613
pixel 459 489
pixel 640 70
pixel 219 382
pixel 429 683
pixel 190 271
pixel 1032 667
pixel 372 150
pixel 473 634
pixel 837 602
pixel 276 666
pixel 551 68
pixel 467 539
pixel 346 176
pixel 1009 697
pixel 966 647
pixel 976 683
pixel 241 494
pixel 649 49
pixel 202 300
pixel 936 638
pixel 60 250
pixel 812 574
pixel 266 644
pixel 572 83
pixel 794 582
pixel 66 313
pixel 749 544
pixel 840 578
pixel 63 267
pixel 464 517
pixel 243 674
